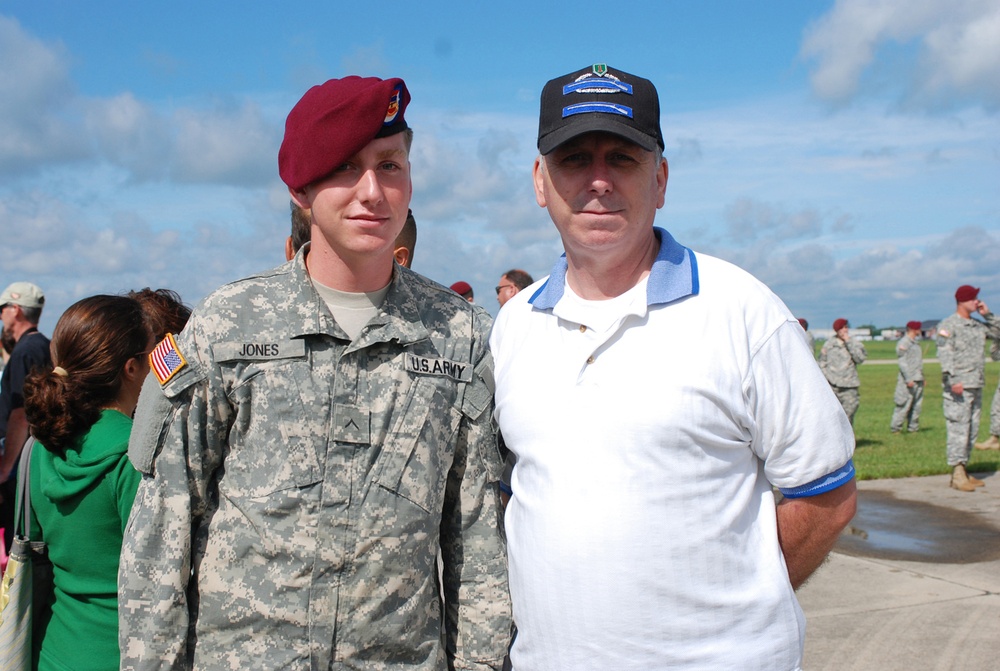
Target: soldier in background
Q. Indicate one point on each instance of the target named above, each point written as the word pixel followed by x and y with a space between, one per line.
pixel 839 359
pixel 317 437
pixel 809 336
pixel 993 442
pixel 909 396
pixel 960 343
pixel 301 226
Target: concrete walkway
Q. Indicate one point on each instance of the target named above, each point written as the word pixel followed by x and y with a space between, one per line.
pixel 913 584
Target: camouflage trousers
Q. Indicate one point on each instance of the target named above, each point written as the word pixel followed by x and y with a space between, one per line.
pixel 995 413
pixel 961 414
pixel 909 401
pixel 850 398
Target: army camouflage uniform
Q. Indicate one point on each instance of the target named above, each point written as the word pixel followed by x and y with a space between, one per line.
pixel 839 362
pixel 299 486
pixel 908 400
pixel 960 345
pixel 995 405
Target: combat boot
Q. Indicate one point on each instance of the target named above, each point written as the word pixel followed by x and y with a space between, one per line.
pixel 976 482
pixel 992 444
pixel 960 479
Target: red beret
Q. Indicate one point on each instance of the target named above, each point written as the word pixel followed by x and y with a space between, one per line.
pixel 334 121
pixel 839 324
pixel 966 293
pixel 461 287
pixel 914 325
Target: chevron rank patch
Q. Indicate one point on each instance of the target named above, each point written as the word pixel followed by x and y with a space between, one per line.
pixel 165 359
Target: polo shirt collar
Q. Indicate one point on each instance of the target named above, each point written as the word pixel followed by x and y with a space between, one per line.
pixel 674 275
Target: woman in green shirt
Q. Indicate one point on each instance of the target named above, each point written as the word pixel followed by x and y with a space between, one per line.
pixel 82 484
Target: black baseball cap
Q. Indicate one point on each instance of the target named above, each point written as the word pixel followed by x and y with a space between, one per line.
pixel 599 98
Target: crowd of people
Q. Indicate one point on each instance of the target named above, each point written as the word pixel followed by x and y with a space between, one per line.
pixel 338 463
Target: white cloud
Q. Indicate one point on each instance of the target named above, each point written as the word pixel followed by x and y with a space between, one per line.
pixel 930 53
pixel 44 122
pixel 34 89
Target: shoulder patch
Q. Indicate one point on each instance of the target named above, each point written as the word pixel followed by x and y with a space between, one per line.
pixel 166 360
pixel 944 333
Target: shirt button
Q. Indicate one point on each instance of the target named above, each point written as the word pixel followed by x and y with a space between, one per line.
pixel 590 359
pixel 583 329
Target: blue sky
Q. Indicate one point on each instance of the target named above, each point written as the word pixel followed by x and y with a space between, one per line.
pixel 847 153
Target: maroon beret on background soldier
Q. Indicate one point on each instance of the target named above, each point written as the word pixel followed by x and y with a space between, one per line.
pixel 966 293
pixel 839 324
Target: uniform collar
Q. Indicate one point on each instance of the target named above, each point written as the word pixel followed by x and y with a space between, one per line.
pixel 674 275
pixel 398 317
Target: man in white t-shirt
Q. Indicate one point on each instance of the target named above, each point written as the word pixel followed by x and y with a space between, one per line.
pixel 653 397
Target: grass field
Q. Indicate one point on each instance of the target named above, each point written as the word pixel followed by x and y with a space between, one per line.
pixel 881 454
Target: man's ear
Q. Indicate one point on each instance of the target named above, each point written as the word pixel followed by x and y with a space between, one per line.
pixel 538 176
pixel 402 255
pixel 662 172
pixel 300 197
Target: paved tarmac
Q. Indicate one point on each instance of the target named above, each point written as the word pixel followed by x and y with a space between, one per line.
pixel 914 582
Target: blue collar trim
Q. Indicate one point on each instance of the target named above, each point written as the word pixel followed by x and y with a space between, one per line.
pixel 674 275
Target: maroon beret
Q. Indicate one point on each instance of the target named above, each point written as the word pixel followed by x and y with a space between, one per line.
pixel 461 287
pixel 334 121
pixel 966 293
pixel 914 325
pixel 839 324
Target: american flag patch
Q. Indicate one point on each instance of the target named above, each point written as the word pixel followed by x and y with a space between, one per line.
pixel 165 359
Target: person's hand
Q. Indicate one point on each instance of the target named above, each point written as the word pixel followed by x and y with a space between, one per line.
pixel 910 383
pixel 981 308
pixel 844 334
pixel 957 388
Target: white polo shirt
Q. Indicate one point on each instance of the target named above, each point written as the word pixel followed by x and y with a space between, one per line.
pixel 648 432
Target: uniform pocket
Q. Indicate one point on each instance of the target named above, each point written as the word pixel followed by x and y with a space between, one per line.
pixel 415 462
pixel 279 431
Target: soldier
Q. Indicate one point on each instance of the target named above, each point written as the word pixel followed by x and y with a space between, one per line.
pixel 909 396
pixel 809 336
pixel 993 442
pixel 960 344
pixel 838 359
pixel 317 437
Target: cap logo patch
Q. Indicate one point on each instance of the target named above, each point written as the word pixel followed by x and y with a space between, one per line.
pixel 600 69
pixel 165 359
pixel 394 99
pixel 606 108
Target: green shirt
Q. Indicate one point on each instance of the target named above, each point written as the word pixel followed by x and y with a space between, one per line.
pixel 80 503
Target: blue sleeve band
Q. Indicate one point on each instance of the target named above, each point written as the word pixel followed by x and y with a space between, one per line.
pixel 827 483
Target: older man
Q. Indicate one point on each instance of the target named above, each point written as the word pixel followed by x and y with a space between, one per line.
pixel 511 282
pixel 21 306
pixel 653 396
pixel 317 437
